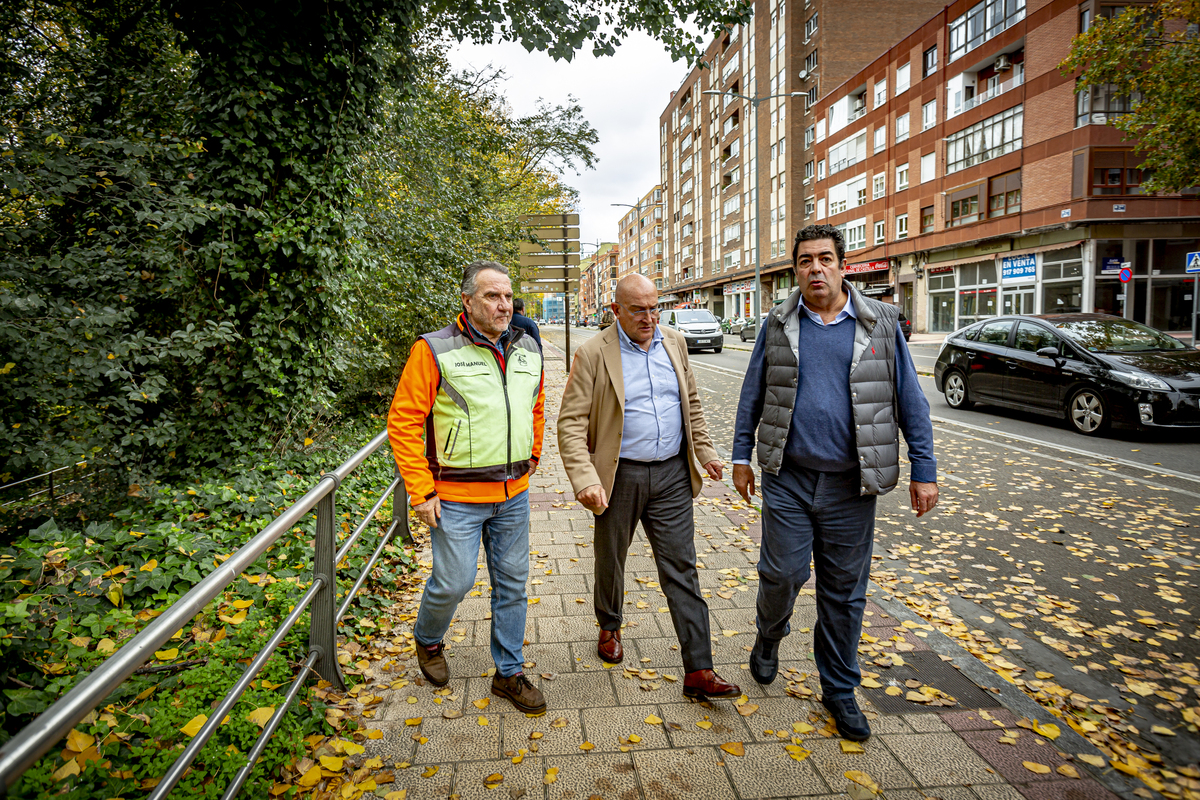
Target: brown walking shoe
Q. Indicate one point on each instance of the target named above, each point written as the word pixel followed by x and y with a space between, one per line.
pixel 704 684
pixel 521 693
pixel 609 647
pixel 432 660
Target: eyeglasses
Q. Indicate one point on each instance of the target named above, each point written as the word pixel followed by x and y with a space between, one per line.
pixel 640 313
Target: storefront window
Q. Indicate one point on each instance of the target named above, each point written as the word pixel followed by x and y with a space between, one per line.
pixel 941 303
pixel 977 297
pixel 1062 281
pixel 1019 299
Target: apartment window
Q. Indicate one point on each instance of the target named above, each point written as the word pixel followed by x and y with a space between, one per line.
pixel 929 62
pixel 847 153
pixel 821 170
pixel 1004 194
pixel 731 232
pixel 880 232
pixel 810 26
pixel 981 22
pixel 901 128
pixel 929 115
pixel 928 167
pixel 809 134
pixel 732 204
pixel 880 138
pixel 983 141
pixel 927 219
pixel 963 206
pixel 881 93
pixel 902 226
pixel 810 61
pixel 902 79
pixel 854 233
pixel 809 169
pixel 1099 104
pixel 878 186
pixel 810 98
pixel 1116 172
pixel 901 177
pixel 810 206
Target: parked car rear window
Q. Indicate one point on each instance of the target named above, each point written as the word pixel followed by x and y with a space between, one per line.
pixel 995 332
pixel 1118 336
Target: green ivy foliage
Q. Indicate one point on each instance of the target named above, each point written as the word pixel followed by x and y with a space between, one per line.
pixel 72 593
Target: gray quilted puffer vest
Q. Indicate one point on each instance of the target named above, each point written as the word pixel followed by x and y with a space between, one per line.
pixel 872 388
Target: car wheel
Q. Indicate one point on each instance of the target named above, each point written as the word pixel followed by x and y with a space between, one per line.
pixel 742 335
pixel 1087 412
pixel 716 349
pixel 955 389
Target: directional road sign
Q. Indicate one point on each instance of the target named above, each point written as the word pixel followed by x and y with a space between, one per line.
pixel 551 274
pixel 1193 262
pixel 548 287
pixel 550 259
pixel 550 247
pixel 548 220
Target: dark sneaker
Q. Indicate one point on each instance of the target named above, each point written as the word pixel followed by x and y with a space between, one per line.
pixel 851 723
pixel 432 660
pixel 764 660
pixel 521 693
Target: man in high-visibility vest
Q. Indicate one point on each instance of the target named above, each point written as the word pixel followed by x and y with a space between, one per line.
pixel 466 429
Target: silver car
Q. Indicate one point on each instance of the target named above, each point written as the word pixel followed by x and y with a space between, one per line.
pixel 698 326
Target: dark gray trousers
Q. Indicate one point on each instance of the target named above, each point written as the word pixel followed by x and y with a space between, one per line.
pixel 659 495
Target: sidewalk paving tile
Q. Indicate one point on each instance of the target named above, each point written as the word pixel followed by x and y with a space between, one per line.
pixel 939 758
pixel 563 739
pixel 676 774
pixel 608 727
pixel 610 776
pixel 469 778
pixel 878 761
pixel 767 770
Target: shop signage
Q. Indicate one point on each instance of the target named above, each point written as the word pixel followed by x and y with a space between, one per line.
pixel 866 266
pixel 738 288
pixel 940 270
pixel 1018 268
pixel 1110 266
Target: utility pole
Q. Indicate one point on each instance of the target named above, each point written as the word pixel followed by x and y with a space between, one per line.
pixel 554 252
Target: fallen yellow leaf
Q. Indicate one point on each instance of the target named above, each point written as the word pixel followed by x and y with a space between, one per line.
pixel 492 780
pixel 587 746
pixel 1049 730
pixel 67 770
pixel 1162 730
pixel 430 771
pixel 1068 770
pixel 653 720
pixel 734 748
pixel 551 775
pixel 148 566
pixel 310 778
pixel 332 763
pixel 375 733
pixel 893 691
pixel 747 709
pixel 852 747
pixel 797 752
pixel 413 722
pixel 399 795
pixel 1095 761
pixel 703 724
pixel 802 727
pixel 166 655
pixel 862 779
pixel 80 741
pixel 1033 766
pixel 242 603
pixel 194 725
pixel 482 720
pixel 261 716
pixel 481 704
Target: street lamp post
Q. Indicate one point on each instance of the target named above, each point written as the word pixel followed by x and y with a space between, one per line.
pixel 754 102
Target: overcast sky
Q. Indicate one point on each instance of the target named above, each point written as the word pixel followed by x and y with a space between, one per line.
pixel 622 97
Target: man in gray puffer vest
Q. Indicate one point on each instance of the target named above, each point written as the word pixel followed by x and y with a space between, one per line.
pixel 829 388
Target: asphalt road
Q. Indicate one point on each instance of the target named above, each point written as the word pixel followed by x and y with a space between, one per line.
pixel 1067 556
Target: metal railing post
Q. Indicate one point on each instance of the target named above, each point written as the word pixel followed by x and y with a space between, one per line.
pixel 400 510
pixel 322 635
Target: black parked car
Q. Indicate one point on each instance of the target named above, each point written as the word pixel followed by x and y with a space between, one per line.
pixel 1093 369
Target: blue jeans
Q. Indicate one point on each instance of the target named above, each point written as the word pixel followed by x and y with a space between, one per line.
pixel 819 517
pixel 504 531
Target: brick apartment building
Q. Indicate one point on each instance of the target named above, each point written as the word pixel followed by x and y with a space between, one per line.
pixel 710 151
pixel 597 281
pixel 971 180
pixel 640 238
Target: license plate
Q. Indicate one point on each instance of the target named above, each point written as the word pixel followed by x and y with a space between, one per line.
pixel 704 341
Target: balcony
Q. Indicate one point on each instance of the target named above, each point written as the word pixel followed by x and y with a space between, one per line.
pixel 990 94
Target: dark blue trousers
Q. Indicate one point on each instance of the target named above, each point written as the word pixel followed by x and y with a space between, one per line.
pixel 819 517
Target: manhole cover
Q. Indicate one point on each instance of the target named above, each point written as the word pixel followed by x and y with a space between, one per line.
pixel 930 670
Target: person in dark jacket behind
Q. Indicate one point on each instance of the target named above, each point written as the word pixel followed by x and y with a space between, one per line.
pixel 519 320
pixel 829 388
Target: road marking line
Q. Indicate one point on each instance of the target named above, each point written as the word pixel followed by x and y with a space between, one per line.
pixel 721 370
pixel 706 389
pixel 1079 464
pixel 1187 476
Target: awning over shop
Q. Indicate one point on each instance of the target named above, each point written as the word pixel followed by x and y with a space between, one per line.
pixel 878 290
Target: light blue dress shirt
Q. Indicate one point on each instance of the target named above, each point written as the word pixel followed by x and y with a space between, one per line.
pixel 653 414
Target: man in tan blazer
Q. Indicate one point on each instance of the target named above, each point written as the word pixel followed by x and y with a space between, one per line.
pixel 631 434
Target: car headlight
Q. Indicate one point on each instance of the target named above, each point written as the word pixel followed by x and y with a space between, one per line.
pixel 1141 381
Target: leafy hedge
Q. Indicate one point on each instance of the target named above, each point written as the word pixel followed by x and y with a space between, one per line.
pixel 72 593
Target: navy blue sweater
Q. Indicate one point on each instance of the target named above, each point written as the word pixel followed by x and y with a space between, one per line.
pixel 822 430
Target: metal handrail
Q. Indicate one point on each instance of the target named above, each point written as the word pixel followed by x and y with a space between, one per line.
pixel 36 738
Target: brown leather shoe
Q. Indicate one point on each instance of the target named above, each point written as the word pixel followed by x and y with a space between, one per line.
pixel 704 684
pixel 432 660
pixel 609 648
pixel 521 693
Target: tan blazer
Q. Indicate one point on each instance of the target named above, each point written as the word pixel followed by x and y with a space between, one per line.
pixel 592 417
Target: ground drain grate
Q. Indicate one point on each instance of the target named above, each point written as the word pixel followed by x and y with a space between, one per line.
pixel 930 670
